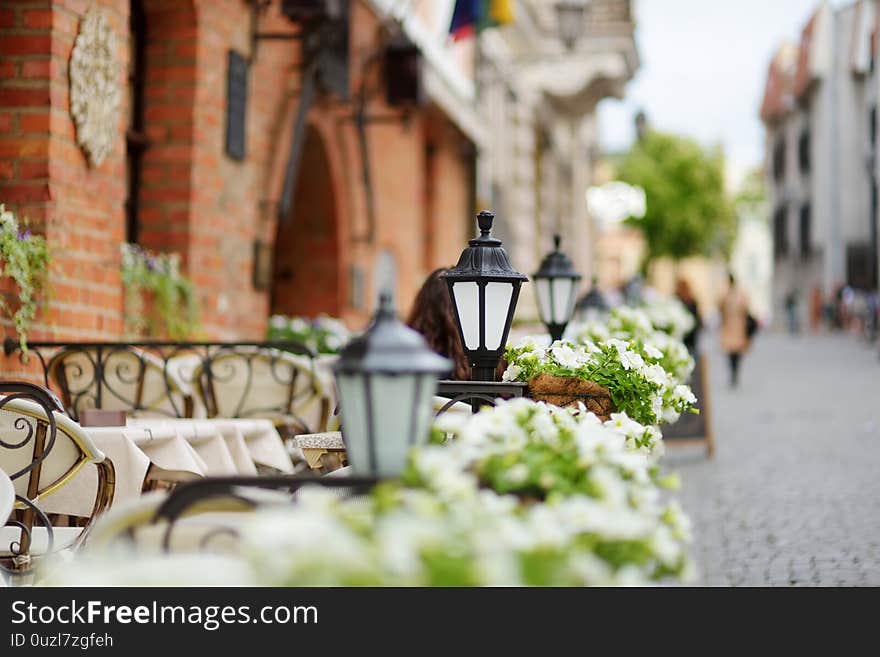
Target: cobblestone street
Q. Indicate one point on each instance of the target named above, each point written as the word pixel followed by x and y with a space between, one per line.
pixel 792 496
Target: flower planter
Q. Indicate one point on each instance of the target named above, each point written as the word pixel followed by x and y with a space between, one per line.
pixel 567 391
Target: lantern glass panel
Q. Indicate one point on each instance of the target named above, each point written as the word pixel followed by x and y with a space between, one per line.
pixel 563 299
pixel 543 291
pixel 394 405
pixel 467 301
pixel 401 415
pixel 424 397
pixel 498 297
pixel 353 407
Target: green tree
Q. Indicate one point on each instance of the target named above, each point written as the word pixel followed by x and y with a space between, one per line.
pixel 751 197
pixel 688 211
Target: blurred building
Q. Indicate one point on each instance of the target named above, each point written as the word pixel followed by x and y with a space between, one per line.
pixel 539 81
pixel 297 154
pixel 618 249
pixel 751 261
pixel 820 113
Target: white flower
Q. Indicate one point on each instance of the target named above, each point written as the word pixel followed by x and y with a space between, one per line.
pixel 620 345
pixel 684 393
pixel 299 325
pixel 527 342
pixel 278 321
pixel 8 220
pixel 567 356
pixel 656 374
pixel 511 373
pixel 630 360
pixel 517 474
pixel 333 341
pixel 653 352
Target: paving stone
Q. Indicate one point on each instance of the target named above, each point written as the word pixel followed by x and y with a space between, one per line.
pixel 792 496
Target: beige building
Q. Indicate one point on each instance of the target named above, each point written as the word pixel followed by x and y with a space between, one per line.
pixel 540 96
pixel 525 95
pixel 820 113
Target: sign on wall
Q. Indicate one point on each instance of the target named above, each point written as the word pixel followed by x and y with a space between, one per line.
pixel 236 105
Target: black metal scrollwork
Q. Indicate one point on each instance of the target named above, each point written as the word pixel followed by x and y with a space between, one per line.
pixel 166 378
pixel 35 437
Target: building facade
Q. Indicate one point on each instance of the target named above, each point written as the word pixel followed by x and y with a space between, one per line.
pixel 541 95
pixel 297 155
pixel 820 113
pixel 296 165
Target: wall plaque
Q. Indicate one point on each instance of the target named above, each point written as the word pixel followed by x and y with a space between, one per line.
pixel 95 86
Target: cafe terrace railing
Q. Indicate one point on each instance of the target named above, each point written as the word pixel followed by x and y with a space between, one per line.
pixel 284 380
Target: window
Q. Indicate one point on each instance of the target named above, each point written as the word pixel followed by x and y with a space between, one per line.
pixel 859 265
pixel 135 138
pixel 779 160
pixel 872 125
pixel 804 151
pixel 780 232
pixel 806 231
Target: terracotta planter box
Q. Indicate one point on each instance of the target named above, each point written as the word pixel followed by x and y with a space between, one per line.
pixel 567 391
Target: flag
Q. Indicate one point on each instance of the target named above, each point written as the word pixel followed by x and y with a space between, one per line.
pixel 473 16
pixel 501 11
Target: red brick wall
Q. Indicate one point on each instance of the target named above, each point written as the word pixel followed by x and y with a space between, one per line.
pixel 169 124
pixel 46 175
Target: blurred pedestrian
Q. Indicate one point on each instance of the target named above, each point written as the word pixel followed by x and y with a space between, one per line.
pixel 734 318
pixel 791 310
pixel 686 296
pixel 816 309
pixel 433 316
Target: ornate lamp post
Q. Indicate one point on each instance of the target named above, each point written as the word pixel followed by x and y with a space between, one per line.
pixel 570 19
pixel 387 379
pixel 556 287
pixel 484 290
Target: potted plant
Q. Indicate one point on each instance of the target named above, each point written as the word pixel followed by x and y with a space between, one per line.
pixel 607 376
pixel 159 299
pixel 24 262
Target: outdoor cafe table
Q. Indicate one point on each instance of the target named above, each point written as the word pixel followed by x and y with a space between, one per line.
pixel 171 450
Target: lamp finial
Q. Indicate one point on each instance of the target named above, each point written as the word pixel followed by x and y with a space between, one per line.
pixel 484 220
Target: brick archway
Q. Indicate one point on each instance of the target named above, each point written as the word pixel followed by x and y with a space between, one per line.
pixel 306 271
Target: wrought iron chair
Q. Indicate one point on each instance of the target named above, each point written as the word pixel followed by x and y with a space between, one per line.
pixel 206 523
pixel 41 449
pixel 256 382
pixel 118 377
pixel 204 515
pixel 7 497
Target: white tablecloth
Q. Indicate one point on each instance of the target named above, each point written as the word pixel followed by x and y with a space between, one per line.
pixel 171 450
pixel 7 497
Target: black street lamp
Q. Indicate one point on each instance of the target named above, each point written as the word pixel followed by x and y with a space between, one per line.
pixel 556 286
pixel 570 20
pixel 484 290
pixel 387 379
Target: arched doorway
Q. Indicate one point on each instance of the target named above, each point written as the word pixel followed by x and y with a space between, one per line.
pixel 305 280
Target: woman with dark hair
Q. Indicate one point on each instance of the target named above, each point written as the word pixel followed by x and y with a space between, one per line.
pixel 433 316
pixel 686 296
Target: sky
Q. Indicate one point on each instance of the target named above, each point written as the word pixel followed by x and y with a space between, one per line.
pixel 703 68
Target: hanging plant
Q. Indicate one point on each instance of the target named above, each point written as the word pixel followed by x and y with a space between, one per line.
pixel 155 279
pixel 24 258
